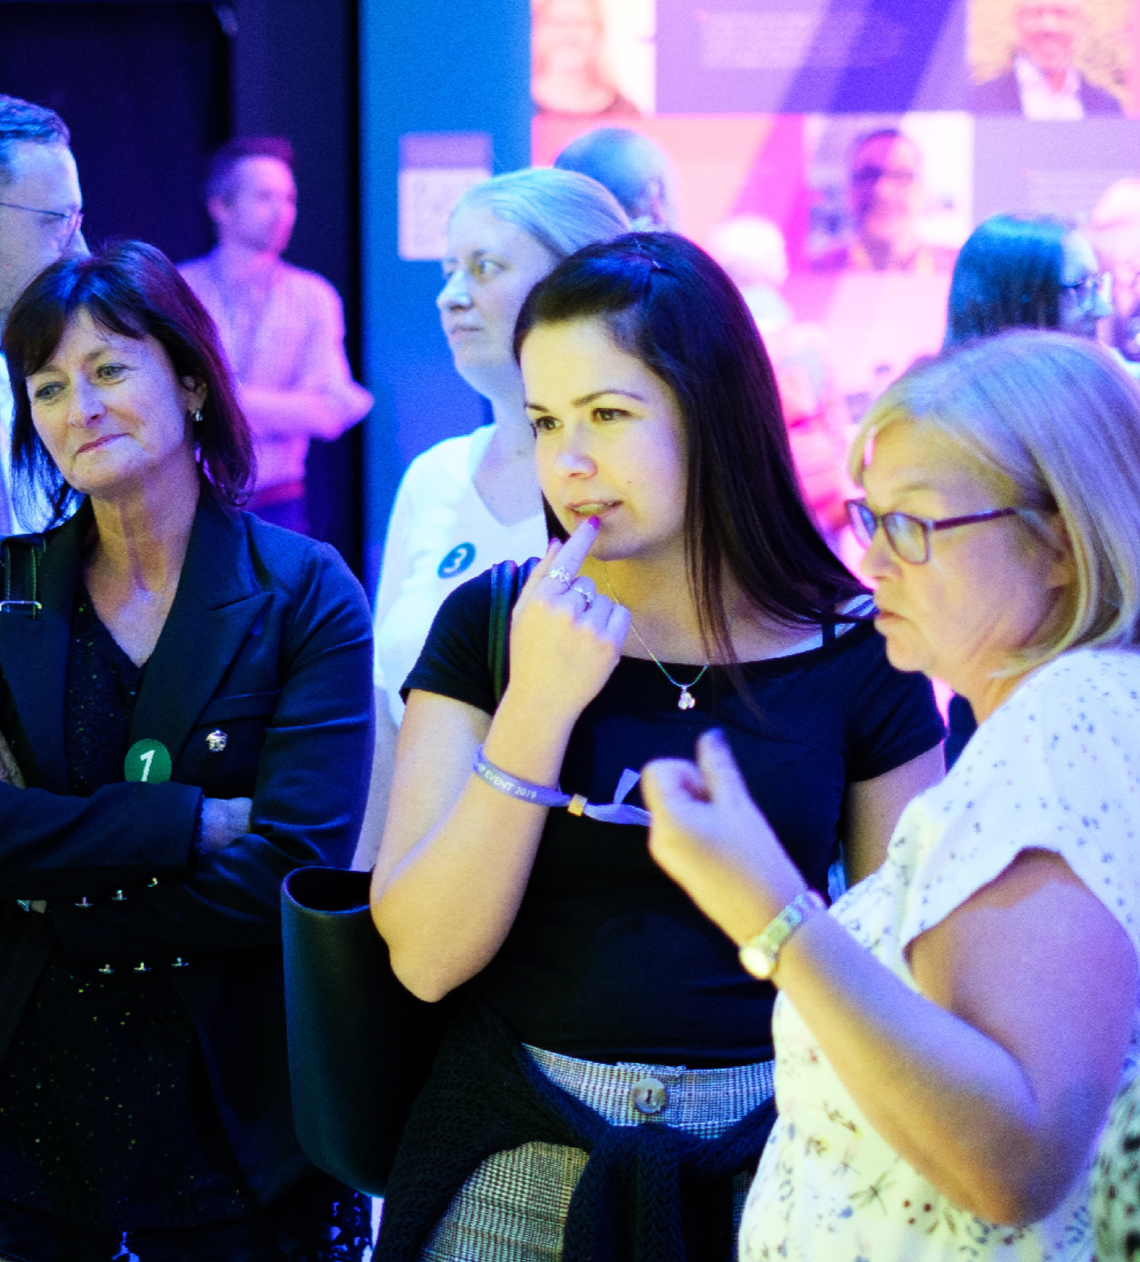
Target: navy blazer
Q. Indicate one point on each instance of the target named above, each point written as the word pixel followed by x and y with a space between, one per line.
pixel 269 641
pixel 1002 96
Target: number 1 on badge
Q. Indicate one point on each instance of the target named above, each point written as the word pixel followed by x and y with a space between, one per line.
pixel 147 762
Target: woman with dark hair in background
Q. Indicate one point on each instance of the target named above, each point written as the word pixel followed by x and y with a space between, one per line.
pixel 1032 271
pixel 604 1014
pixel 1020 271
pixel 184 702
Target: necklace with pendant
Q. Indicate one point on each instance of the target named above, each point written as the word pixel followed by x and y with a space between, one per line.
pixel 686 700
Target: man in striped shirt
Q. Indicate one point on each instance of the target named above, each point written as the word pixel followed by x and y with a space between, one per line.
pixel 282 327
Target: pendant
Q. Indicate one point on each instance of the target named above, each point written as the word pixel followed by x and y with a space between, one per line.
pixel 686 700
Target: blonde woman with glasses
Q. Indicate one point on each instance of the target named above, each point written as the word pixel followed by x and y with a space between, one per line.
pixel 951 1036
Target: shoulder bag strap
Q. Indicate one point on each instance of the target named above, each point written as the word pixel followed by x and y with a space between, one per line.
pixel 507 581
pixel 20 563
pixel 20 557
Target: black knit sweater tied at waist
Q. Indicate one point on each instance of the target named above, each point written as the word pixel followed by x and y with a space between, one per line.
pixel 649 1193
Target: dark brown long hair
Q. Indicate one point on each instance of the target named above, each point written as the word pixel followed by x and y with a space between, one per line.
pixel 668 303
pixel 131 289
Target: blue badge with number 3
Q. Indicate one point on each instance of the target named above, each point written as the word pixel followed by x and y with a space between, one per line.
pixel 457 560
pixel 147 761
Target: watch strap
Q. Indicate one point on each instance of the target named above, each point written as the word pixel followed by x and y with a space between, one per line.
pixel 760 953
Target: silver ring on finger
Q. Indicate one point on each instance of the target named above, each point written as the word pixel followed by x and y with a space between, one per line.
pixel 561 574
pixel 587 596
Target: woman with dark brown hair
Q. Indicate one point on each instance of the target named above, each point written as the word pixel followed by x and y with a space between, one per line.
pixel 184 697
pixel 609 1034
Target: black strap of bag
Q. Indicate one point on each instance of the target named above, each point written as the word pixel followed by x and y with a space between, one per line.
pixel 20 557
pixel 507 581
pixel 360 1044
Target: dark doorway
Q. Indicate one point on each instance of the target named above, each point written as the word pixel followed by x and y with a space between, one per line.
pixel 148 89
pixel 144 89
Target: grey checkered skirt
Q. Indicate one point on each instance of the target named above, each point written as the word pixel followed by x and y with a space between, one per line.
pixel 513 1208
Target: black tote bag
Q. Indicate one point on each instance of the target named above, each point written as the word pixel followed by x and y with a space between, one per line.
pixel 361 1044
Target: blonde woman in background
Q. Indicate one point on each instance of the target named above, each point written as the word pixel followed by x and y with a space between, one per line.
pixel 469 502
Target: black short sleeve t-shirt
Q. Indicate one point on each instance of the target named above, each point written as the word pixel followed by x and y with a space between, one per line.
pixel 608 959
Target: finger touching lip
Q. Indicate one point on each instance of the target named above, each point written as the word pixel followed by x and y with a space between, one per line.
pixel 575 549
pixel 592 508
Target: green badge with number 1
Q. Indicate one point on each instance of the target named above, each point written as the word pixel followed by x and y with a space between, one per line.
pixel 148 761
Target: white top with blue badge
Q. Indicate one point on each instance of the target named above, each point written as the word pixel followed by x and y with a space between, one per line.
pixel 440 534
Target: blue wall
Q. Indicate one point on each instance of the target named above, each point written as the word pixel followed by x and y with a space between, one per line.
pixel 426 65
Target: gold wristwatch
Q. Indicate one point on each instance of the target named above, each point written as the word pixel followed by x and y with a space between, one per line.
pixel 760 953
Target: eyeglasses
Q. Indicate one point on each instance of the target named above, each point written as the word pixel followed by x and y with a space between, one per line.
pixel 1058 12
pixel 1087 290
pixel 873 174
pixel 909 537
pixel 67 222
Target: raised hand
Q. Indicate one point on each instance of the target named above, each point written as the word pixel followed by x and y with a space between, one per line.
pixel 709 836
pixel 566 637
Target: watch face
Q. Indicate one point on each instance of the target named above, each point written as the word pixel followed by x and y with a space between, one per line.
pixel 756 962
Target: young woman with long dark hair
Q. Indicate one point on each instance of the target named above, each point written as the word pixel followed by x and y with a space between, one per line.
pixel 608 1033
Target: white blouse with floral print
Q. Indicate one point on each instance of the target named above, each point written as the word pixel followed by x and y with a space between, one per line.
pixel 1057 767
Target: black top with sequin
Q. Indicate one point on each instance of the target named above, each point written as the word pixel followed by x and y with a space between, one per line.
pixel 106 1114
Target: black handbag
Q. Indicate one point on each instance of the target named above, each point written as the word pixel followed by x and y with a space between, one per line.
pixel 360 1044
pixel 20 557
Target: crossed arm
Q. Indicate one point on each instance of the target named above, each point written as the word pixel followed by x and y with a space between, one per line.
pixel 304 808
pixel 308 412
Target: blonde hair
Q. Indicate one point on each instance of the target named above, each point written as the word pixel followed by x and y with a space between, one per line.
pixel 561 210
pixel 1059 420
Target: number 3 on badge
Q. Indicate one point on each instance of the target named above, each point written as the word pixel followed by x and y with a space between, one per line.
pixel 147 761
pixel 457 560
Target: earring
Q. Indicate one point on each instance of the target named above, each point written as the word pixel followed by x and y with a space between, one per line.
pixel 196 416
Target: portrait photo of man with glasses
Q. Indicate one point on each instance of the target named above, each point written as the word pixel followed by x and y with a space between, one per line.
pixel 886 198
pixel 1044 79
pixel 41 220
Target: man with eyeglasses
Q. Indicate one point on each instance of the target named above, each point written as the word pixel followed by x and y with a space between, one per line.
pixel 41 213
pixel 886 197
pixel 282 327
pixel 634 168
pixel 1044 82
